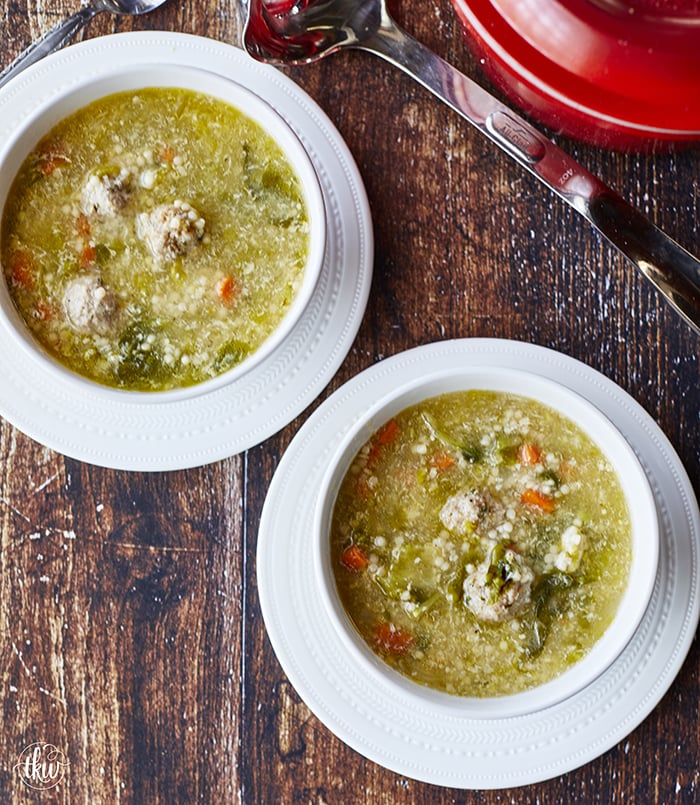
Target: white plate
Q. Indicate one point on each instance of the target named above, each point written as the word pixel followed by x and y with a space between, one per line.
pixel 175 435
pixel 436 744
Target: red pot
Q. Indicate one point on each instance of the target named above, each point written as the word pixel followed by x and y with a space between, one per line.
pixel 621 74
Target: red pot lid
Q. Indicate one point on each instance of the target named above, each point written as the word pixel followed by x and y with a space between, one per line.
pixel 629 65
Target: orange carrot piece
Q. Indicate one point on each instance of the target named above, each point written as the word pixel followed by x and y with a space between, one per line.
pixel 82 225
pixel 384 436
pixel 353 558
pixel 228 290
pixel 531 497
pixel 529 454
pixel 167 154
pixel 51 157
pixel 43 311
pixel 22 268
pixel 392 639
pixel 388 432
pixel 88 256
pixel 443 461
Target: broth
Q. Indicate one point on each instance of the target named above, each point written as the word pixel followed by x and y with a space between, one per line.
pixel 481 543
pixel 154 239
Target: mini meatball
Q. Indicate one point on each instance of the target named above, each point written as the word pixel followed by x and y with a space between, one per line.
pixel 170 230
pixel 463 510
pixel 500 586
pixel 90 307
pixel 105 196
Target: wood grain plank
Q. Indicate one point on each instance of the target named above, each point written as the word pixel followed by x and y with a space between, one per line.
pixel 130 630
pixel 122 621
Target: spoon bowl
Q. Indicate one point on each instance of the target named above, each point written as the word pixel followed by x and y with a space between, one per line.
pixel 59 36
pixel 288 33
pixel 284 32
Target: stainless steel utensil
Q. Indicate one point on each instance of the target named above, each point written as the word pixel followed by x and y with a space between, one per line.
pixel 61 34
pixel 313 29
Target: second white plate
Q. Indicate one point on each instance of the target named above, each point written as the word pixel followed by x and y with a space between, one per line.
pixel 450 746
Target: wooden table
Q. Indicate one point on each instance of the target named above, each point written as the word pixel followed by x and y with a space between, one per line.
pixel 131 636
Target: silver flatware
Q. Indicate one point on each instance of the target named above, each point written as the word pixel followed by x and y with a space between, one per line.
pixel 61 34
pixel 306 32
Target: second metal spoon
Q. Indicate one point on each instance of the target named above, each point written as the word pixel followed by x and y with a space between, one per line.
pixel 61 34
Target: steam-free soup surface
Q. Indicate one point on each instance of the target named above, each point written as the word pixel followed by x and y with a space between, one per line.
pixel 154 239
pixel 481 543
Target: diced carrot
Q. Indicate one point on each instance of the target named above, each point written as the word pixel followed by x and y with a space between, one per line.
pixel 384 436
pixel 392 639
pixel 22 268
pixel 529 453
pixel 387 433
pixel 227 289
pixel 167 153
pixel 532 497
pixel 51 157
pixel 443 461
pixel 88 255
pixel 354 558
pixel 44 311
pixel 82 225
pixel 50 163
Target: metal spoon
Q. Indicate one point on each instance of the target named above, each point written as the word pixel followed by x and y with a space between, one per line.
pixel 280 34
pixel 62 33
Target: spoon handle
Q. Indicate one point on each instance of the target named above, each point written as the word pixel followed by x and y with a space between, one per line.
pixel 673 270
pixel 54 39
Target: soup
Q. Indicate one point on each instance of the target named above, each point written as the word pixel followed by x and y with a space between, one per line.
pixel 154 239
pixel 480 543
